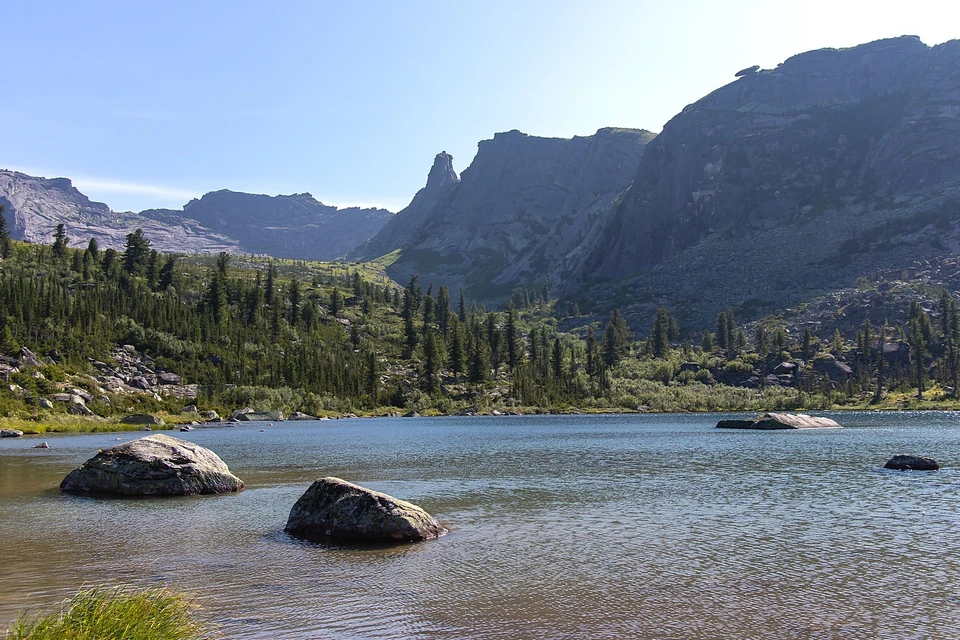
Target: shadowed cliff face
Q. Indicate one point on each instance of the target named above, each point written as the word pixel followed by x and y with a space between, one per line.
pixel 295 226
pixel 518 215
pixel 824 128
pixel 790 180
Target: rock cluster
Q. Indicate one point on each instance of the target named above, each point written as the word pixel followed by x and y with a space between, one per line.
pixel 338 509
pixel 136 373
pixel 156 465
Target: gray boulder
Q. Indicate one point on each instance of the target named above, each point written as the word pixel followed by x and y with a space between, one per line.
pixel 10 433
pixel 338 509
pixel 142 418
pixel 77 409
pixel 903 462
pixel 772 421
pixel 44 403
pixel 190 408
pixel 296 415
pixel 155 465
pixel 169 378
pixel 210 415
pixel 259 416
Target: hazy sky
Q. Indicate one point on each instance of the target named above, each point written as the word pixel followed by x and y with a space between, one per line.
pixel 148 104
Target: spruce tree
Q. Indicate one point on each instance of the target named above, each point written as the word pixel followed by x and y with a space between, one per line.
pixel 60 241
pixel 5 242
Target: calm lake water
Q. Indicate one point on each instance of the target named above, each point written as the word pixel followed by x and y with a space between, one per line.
pixel 636 526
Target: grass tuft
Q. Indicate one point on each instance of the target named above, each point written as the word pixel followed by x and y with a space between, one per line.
pixel 116 614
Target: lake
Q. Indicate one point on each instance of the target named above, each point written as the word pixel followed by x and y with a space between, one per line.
pixel 627 526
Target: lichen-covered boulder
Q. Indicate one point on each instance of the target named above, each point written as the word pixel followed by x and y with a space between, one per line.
pixel 338 509
pixel 903 462
pixel 156 465
pixel 771 421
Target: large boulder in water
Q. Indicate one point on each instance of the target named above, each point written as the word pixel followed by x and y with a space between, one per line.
pixel 903 462
pixel 339 509
pixel 156 465
pixel 770 421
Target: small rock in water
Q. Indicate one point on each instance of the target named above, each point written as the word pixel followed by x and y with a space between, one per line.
pixel 42 445
pixel 263 430
pixel 903 462
pixel 339 509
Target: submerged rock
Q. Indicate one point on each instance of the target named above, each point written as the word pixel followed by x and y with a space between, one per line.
pixel 903 462
pixel 339 509
pixel 771 421
pixel 42 445
pixel 156 465
pixel 142 418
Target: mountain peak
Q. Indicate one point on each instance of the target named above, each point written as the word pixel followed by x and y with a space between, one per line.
pixel 442 174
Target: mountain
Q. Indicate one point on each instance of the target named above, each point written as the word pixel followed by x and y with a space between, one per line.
pixel 34 207
pixel 294 226
pixel 790 181
pixel 517 216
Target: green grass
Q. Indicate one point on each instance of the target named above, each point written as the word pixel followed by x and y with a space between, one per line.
pixel 65 423
pixel 116 614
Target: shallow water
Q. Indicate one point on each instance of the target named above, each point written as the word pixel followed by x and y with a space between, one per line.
pixel 635 526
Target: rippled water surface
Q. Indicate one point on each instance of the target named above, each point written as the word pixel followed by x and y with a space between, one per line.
pixel 562 527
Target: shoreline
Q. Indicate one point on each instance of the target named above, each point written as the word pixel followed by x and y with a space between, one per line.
pixel 173 422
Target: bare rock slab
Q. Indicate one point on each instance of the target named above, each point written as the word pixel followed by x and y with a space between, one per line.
pixel 341 510
pixel 772 421
pixel 903 462
pixel 156 465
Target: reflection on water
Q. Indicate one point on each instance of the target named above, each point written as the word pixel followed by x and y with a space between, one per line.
pixel 561 527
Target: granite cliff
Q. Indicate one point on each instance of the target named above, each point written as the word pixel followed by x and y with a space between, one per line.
pixel 518 215
pixel 788 182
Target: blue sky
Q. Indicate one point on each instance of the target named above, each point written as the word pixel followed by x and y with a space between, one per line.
pixel 150 104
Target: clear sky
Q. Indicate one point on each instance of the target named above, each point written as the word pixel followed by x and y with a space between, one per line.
pixel 147 104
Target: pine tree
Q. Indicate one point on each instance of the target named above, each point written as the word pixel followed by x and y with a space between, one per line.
pixel 168 274
pixel 660 334
pixel 60 241
pixel 511 336
pixel 93 248
pixel 136 252
pixel 5 242
pixel 557 360
pixel 462 308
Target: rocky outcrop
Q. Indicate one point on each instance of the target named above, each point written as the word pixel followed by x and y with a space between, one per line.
pixel 518 216
pixel 903 462
pixel 790 181
pixel 294 226
pixel 156 465
pixel 775 421
pixel 335 508
pixel 138 373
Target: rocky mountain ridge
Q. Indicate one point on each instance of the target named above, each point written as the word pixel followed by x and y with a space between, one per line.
pixel 787 183
pixel 517 216
pixel 293 226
